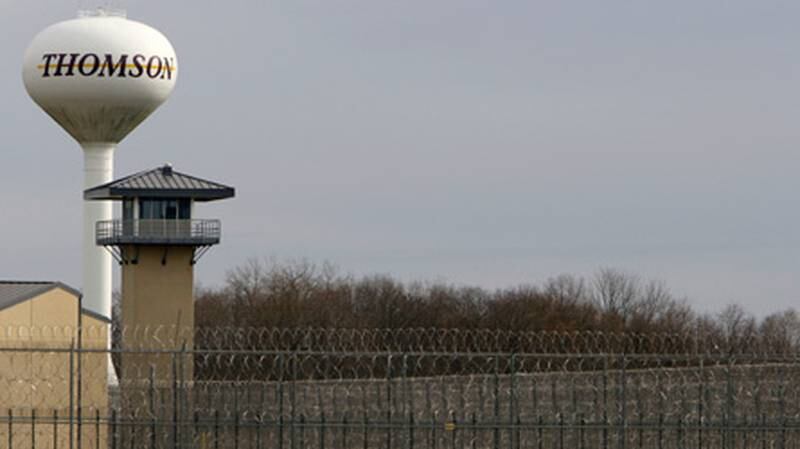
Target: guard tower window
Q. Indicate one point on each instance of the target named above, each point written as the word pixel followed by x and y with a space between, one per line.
pixel 127 210
pixel 171 209
pixel 165 209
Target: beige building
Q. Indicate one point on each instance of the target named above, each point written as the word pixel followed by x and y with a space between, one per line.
pixel 47 358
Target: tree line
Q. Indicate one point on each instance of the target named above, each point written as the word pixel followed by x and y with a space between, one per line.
pixel 303 294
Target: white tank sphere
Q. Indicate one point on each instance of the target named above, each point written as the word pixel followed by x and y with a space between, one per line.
pixel 99 77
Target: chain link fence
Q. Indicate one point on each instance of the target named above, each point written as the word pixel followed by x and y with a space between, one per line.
pixel 394 389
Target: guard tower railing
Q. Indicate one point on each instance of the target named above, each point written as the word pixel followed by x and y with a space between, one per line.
pixel 158 232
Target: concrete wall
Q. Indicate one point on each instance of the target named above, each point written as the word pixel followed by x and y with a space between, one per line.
pixel 157 312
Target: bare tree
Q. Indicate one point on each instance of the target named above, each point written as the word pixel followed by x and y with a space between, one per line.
pixel 780 332
pixel 248 283
pixel 737 326
pixel 615 294
pixel 264 293
pixel 566 289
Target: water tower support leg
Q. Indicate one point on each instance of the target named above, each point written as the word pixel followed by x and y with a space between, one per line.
pixel 98 168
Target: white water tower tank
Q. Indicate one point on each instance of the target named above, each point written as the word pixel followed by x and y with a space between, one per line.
pixel 99 76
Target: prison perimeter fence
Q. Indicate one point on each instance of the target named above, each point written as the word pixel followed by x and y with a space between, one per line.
pixel 393 389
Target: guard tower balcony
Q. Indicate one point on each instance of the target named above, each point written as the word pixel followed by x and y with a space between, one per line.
pixel 176 232
pixel 157 210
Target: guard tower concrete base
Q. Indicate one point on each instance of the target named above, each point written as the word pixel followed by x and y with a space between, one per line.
pixel 157 312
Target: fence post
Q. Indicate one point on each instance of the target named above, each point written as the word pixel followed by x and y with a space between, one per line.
pixel 641 428
pixel 322 430
pixel 174 398
pixel 404 376
pixel 661 431
pixel 782 407
pixel 80 371
pixel 389 402
pixel 410 444
pixel 365 429
pixel 573 395
pixel 292 400
pixel 216 429
pixel 302 431
pixel 113 429
pixel 345 427
pixel 96 429
pixel 184 425
pixel 605 402
pixel 640 411
pixel 152 406
pixel 236 428
pixel 55 429
pixel 198 431
pixel 132 431
pixel 434 437
pixel 474 431
pixel 71 398
pixel 511 402
pixel 730 413
pixel 259 429
pixel 281 366
pixel 496 377
pixel 757 398
pixel 540 431
pixel 623 401
pixel 700 401
pixel 554 396
pixel 454 430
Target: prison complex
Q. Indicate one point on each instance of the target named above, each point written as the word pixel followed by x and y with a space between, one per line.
pixel 99 76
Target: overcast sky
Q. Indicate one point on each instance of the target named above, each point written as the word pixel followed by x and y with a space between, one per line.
pixel 483 142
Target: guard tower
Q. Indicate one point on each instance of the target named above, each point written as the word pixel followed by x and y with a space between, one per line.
pixel 157 242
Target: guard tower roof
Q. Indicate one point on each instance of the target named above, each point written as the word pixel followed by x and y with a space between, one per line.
pixel 160 182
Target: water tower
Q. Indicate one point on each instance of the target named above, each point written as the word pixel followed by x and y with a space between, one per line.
pixel 99 76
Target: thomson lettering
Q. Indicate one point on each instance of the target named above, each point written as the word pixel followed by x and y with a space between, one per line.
pixel 107 65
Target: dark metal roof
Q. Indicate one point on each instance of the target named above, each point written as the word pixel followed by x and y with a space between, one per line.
pixel 12 293
pixel 17 292
pixel 160 182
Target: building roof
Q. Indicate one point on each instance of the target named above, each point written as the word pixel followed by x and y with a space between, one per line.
pixel 16 292
pixel 160 182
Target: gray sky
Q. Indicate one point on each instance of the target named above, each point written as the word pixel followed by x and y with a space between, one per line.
pixel 477 142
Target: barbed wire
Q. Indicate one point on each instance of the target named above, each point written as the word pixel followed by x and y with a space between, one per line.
pixel 414 340
pixel 473 379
